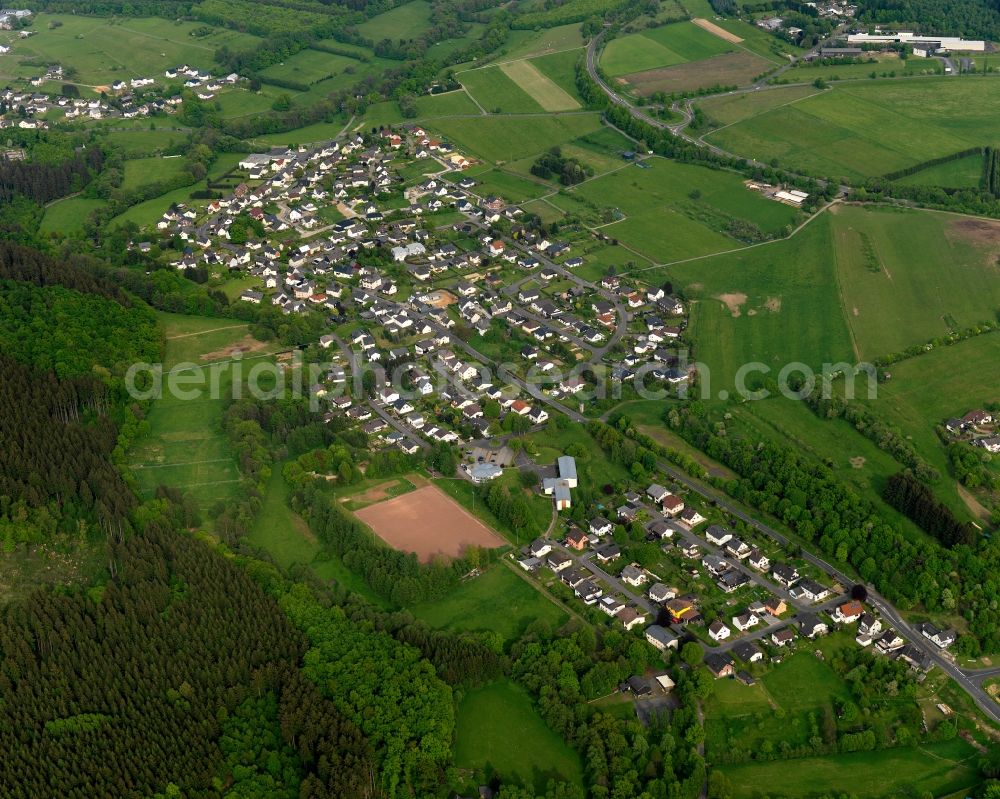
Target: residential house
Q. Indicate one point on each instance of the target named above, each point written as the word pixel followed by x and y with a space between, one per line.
pixel 720 664
pixel 633 575
pixel 811 626
pixel 718 631
pixel 661 637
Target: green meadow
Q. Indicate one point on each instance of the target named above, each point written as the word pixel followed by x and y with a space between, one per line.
pixel 140 172
pixel 501 139
pixel 665 46
pixel 672 211
pixel 402 22
pixel 937 769
pixel 866 129
pixel 771 304
pixel 497 93
pixel 498 725
pixel 962 173
pixel 909 276
pixel 68 216
pixel 104 50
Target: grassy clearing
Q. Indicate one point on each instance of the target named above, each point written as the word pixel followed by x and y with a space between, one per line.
pixel 144 141
pixel 843 130
pixel 141 172
pixel 403 22
pixel 802 682
pixel 321 131
pixel 502 139
pixel 497 725
pixel 938 769
pixel 909 276
pixel 511 187
pixel 783 305
pixel 498 601
pixel 665 46
pixel 68 216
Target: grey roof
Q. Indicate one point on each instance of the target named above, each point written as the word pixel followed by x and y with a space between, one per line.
pixel 567 467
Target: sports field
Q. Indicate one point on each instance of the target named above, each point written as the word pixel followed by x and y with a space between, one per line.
pixel 186 447
pixel 667 45
pixel 498 725
pixel 870 128
pixel 474 605
pixel 429 523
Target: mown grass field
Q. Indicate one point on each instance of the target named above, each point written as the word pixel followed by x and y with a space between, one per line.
pixel 771 305
pixel 939 769
pixel 68 216
pixel 870 128
pixel 677 43
pixel 501 139
pixel 104 50
pixel 560 68
pixel 548 94
pixel 674 211
pixel 497 601
pixel 909 276
pixel 497 725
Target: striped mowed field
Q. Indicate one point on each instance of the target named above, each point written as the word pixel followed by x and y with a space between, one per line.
pixel 542 89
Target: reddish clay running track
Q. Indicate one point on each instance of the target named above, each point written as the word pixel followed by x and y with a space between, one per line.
pixel 428 522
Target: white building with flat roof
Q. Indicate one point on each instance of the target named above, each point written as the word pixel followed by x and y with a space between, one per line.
pixel 949 43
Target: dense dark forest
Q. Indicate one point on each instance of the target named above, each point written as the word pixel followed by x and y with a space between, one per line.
pixel 126 690
pixel 57 440
pixel 42 182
